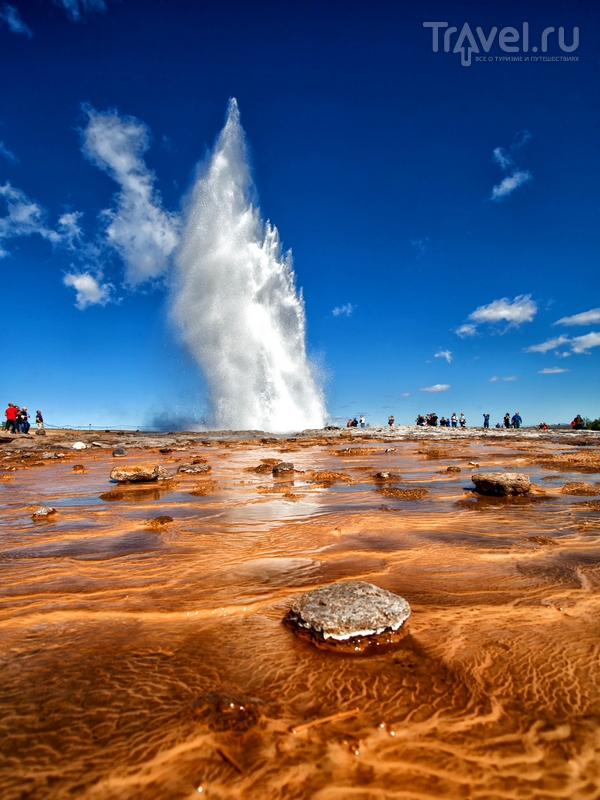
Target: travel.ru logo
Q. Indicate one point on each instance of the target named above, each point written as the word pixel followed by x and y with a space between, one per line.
pixel 509 40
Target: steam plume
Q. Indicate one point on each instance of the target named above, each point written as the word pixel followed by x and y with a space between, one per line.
pixel 236 304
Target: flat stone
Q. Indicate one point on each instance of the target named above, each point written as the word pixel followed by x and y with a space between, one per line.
pixel 43 512
pixel 283 466
pixel 119 451
pixel 194 469
pixel 79 445
pixel 40 432
pixel 138 473
pixel 580 488
pixel 501 484
pixel 342 611
pixel 52 455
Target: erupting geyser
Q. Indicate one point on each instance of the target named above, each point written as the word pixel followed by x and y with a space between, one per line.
pixel 236 303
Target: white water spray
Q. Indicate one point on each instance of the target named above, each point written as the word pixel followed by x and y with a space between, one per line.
pixel 236 303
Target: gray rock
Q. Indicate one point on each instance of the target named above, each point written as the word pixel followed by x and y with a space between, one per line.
pixel 283 466
pixel 500 484
pixel 346 610
pixel 43 512
pixel 40 432
pixel 138 473
pixel 194 469
pixel 52 455
pixel 119 451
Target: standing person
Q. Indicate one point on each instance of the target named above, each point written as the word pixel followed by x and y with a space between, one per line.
pixel 391 420
pixel 355 423
pixel 454 419
pixel 18 418
pixel 462 420
pixel 11 418
pixel 486 420
pixel 25 420
pixel 39 420
pixel 362 421
pixel 516 420
pixel 507 420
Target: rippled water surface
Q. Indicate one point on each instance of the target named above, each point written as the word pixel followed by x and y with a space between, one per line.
pixel 143 655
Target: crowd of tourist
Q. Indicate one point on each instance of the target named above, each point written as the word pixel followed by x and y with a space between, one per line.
pixel 17 419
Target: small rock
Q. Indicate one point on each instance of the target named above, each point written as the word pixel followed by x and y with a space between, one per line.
pixel 453 469
pixel 474 464
pixel 193 469
pixel 43 512
pixel 283 466
pixel 118 451
pixel 79 445
pixel 139 473
pixel 78 468
pixel 387 476
pixel 97 444
pixel 500 484
pixel 40 432
pixel 52 455
pixel 342 611
pixel 390 449
pixel 579 488
pixel 165 450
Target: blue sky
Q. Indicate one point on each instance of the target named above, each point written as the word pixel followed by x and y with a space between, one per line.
pixel 442 218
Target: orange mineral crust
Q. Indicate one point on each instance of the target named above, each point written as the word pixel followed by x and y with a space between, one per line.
pixel 142 647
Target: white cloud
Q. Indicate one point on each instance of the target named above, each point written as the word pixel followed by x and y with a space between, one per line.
pixel 89 291
pixel 343 310
pixel 508 185
pixel 437 387
pixel 447 354
pixel 494 379
pixel 505 159
pixel 405 394
pixel 10 16
pixel 551 371
pixel 585 318
pixel 24 218
pixel 511 378
pixel 466 330
pixel 76 8
pixel 4 151
pixel 521 309
pixel 501 157
pixel 138 228
pixel 549 344
pixel 581 344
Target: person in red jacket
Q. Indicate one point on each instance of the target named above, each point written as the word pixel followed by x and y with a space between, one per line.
pixel 11 416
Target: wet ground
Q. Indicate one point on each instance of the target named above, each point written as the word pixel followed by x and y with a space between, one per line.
pixel 142 650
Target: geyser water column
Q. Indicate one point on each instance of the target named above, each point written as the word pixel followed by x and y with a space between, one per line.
pixel 236 303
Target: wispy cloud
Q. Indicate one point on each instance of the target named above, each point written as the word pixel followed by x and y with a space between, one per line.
pixel 405 394
pixel 89 291
pixel 345 310
pixel 494 379
pixel 521 309
pixel 4 151
pixel 466 330
pixel 549 344
pixel 510 378
pixel 508 185
pixel 77 8
pixel 506 160
pixel 11 17
pixel 584 318
pixel 577 344
pixel 24 217
pixel 437 387
pixel 551 371
pixel 138 228
pixel 447 354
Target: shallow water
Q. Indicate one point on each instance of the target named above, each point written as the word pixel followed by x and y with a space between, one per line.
pixel 144 659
